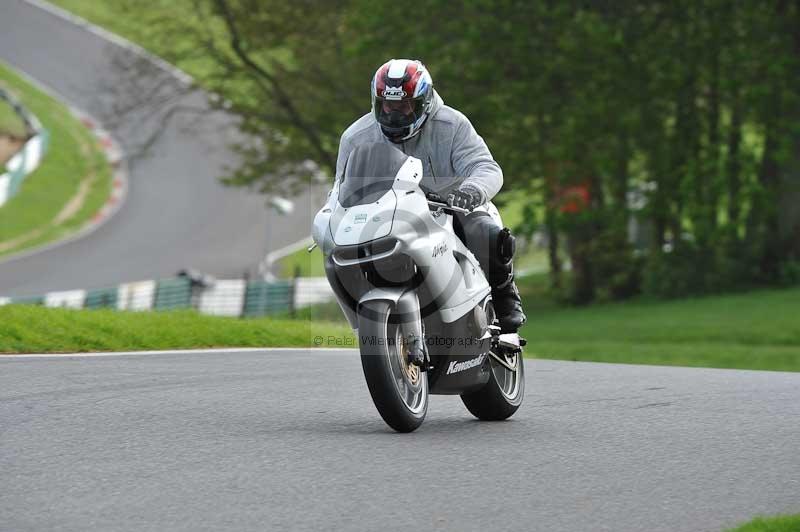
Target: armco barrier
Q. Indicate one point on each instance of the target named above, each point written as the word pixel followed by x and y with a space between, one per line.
pixel 173 294
pixel 264 297
pixel 35 300
pixel 227 297
pixel 28 158
pixel 101 298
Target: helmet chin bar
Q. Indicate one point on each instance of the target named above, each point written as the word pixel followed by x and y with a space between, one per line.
pixel 401 134
pixel 396 135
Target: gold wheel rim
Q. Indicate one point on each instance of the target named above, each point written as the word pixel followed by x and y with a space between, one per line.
pixel 410 371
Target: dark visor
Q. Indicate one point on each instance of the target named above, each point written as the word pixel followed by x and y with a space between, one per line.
pixel 398 113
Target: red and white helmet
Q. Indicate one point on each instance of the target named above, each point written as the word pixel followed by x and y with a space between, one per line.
pixel 402 94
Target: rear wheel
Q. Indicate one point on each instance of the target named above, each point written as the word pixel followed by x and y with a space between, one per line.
pixel 398 388
pixel 503 394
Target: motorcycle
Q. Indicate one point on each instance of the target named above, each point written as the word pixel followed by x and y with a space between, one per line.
pixel 414 294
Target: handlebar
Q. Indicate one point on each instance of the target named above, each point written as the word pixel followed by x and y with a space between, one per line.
pixel 447 207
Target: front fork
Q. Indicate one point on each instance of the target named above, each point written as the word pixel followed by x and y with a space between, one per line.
pixel 411 321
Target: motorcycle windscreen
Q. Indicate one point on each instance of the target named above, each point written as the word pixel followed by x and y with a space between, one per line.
pixel 369 173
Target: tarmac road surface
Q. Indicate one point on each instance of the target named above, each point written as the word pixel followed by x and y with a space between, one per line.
pixel 289 440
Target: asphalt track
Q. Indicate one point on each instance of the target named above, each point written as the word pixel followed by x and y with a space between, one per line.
pixel 289 440
pixel 177 215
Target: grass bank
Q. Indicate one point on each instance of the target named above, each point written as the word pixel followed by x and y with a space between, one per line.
pixel 757 330
pixel 753 330
pixel 29 329
pixel 69 186
pixel 781 523
pixel 302 263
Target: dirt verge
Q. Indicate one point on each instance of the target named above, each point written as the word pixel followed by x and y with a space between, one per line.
pixel 8 147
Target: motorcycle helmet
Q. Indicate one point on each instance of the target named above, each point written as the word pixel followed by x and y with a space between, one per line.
pixel 402 94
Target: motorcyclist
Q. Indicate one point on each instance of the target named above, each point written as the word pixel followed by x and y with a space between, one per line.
pixel 408 112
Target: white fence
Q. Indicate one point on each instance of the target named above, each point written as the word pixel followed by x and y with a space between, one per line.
pixel 312 291
pixel 224 297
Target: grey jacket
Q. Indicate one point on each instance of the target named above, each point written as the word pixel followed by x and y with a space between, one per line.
pixel 447 145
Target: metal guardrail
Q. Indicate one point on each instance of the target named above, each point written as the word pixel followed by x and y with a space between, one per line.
pixel 225 297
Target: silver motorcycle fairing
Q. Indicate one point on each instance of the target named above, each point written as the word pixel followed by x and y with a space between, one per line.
pixel 451 273
pixel 362 223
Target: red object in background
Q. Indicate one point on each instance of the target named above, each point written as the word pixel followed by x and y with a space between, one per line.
pixel 573 199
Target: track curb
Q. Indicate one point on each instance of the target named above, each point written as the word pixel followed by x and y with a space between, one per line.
pixel 116 157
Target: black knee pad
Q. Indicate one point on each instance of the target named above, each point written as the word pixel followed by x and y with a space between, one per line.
pixel 480 236
pixel 493 246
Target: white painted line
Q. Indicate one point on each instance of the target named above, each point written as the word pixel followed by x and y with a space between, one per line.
pixel 231 351
pixel 122 42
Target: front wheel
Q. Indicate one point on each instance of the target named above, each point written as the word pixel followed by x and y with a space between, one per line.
pixel 503 394
pixel 398 388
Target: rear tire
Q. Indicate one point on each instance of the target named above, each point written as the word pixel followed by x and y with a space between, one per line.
pixel 502 395
pixel 398 389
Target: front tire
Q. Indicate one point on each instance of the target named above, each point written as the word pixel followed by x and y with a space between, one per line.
pixel 503 394
pixel 398 388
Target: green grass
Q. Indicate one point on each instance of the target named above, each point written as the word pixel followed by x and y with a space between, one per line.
pixel 302 263
pixel 781 523
pixel 73 154
pixel 30 329
pixel 10 123
pixel 755 330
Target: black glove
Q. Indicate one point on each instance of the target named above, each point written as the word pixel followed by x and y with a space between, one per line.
pixel 465 197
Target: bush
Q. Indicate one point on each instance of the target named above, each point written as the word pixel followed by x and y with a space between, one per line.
pixel 616 269
pixel 789 273
pixel 691 269
pixel 671 274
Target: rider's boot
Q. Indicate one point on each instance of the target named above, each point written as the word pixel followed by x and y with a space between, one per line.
pixel 508 304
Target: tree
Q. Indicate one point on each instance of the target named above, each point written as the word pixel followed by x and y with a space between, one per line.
pixel 691 106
